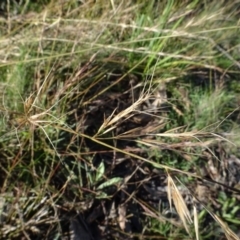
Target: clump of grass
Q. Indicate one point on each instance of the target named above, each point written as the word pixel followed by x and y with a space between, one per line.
pixel 107 105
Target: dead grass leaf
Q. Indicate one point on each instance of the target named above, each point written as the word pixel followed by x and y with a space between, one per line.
pixel 122 216
pixel 230 235
pixel 179 203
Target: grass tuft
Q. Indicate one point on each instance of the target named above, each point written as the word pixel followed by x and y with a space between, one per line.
pixel 119 120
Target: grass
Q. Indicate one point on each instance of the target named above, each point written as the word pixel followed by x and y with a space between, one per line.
pixel 119 118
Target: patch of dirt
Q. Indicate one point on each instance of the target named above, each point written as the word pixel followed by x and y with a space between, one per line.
pixel 123 215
